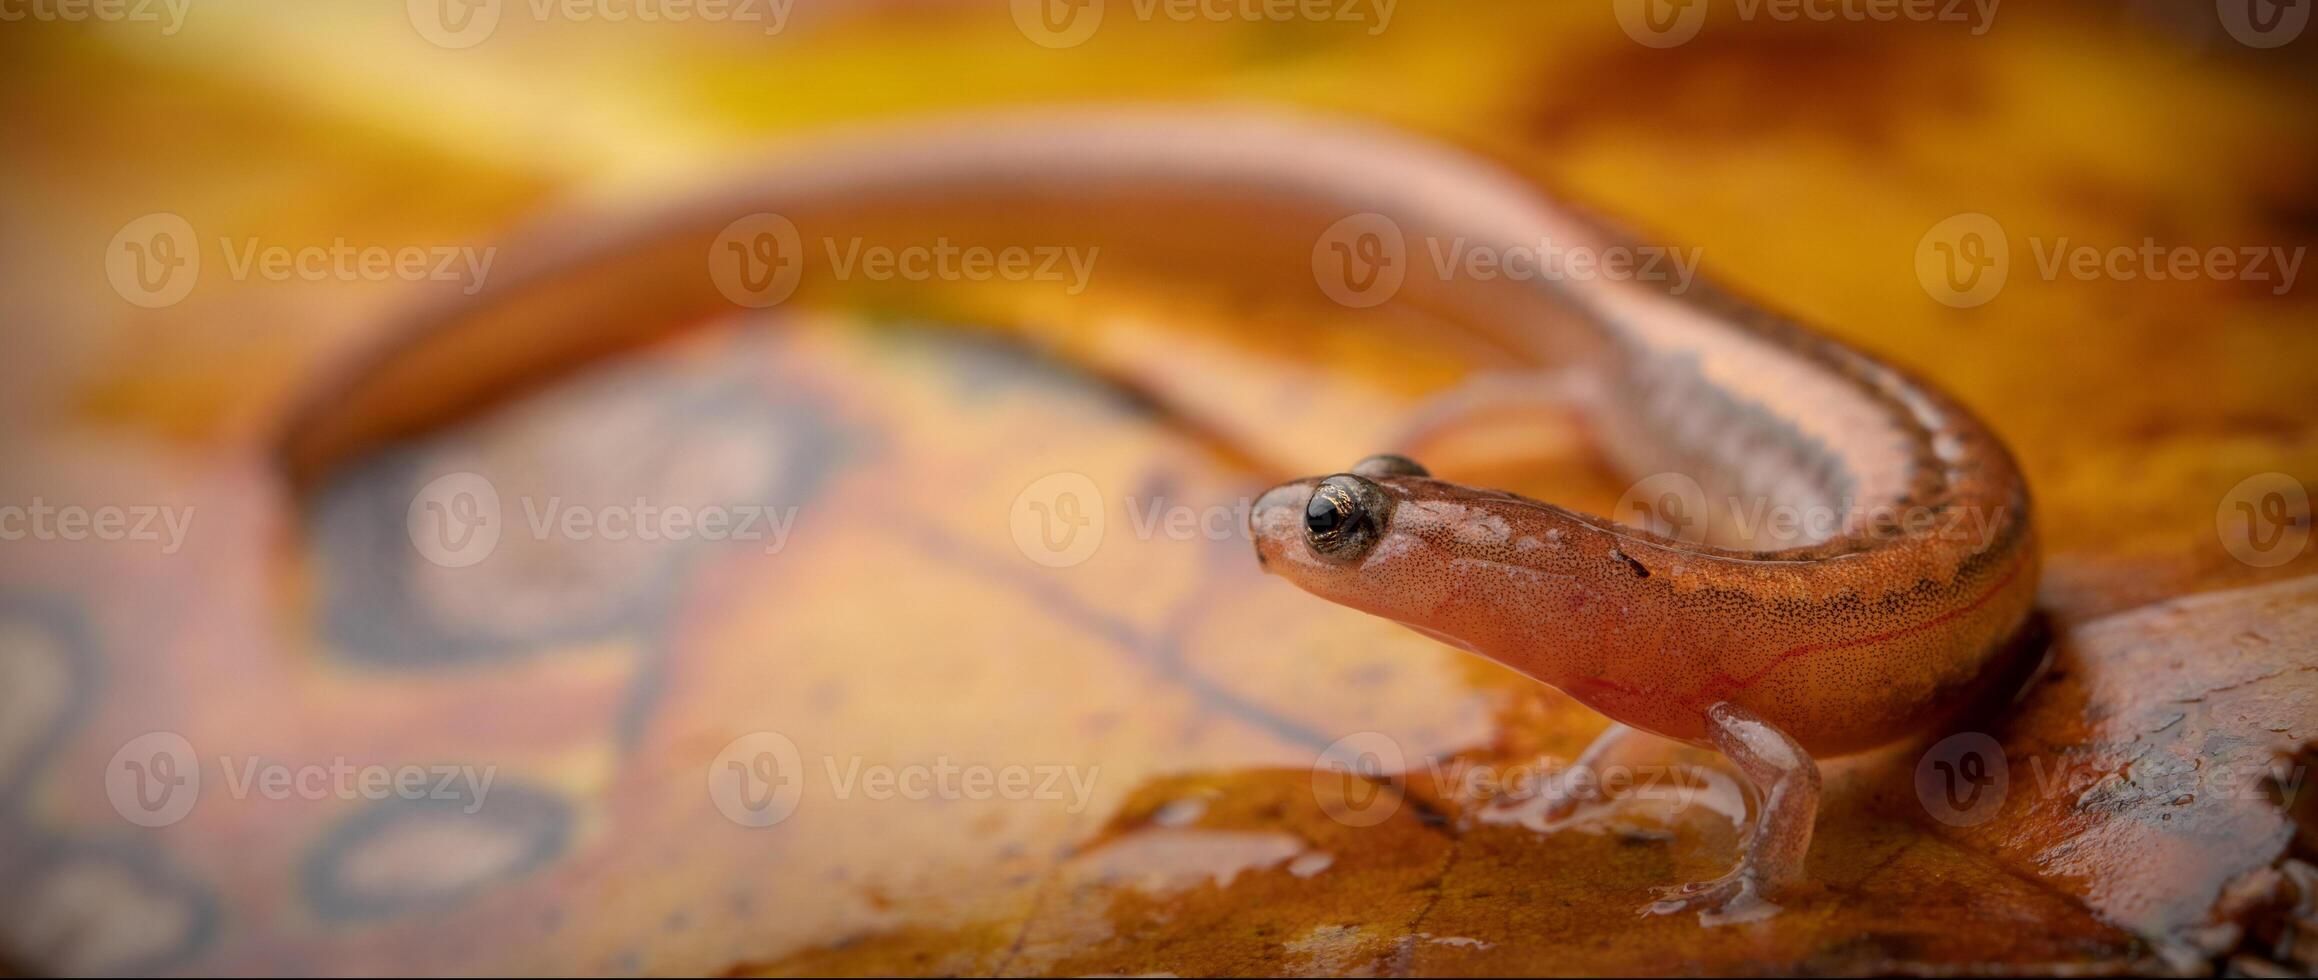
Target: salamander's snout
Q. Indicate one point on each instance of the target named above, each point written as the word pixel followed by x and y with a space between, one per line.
pixel 1276 522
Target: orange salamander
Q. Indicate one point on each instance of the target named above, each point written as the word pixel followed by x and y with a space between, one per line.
pixel 1837 635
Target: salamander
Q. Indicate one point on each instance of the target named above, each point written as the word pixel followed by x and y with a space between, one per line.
pixel 1870 617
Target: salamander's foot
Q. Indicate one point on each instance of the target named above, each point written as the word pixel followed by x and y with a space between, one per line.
pixel 1564 794
pixel 1577 788
pixel 1787 789
pixel 1731 899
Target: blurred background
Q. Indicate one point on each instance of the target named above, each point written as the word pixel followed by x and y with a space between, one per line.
pixel 246 726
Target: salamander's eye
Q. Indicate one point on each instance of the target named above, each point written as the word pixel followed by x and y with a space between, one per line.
pixel 1341 519
pixel 1331 512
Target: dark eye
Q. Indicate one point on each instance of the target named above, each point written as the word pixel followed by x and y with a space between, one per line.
pixel 1343 517
pixel 1331 511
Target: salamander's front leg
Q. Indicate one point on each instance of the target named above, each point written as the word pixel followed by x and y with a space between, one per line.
pixel 1787 789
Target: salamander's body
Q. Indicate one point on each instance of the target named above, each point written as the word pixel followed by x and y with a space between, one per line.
pixel 1909 560
pixel 1844 642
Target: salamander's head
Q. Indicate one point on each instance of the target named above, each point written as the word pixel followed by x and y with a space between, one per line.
pixel 1361 539
pixel 1470 567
